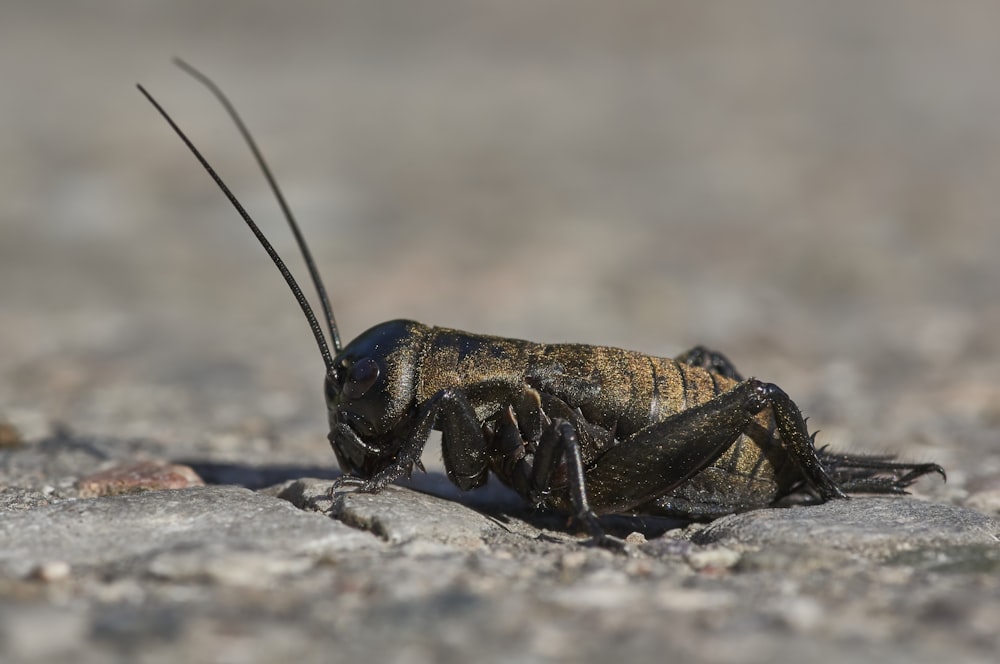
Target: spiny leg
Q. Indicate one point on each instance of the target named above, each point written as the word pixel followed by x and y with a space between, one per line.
pixel 645 465
pixel 557 446
pixel 561 442
pixel 874 473
pixel 663 456
pixel 795 439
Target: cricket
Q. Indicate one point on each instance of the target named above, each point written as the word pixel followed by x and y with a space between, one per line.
pixel 581 429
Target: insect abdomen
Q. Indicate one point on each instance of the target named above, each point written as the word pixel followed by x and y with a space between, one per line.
pixel 637 390
pixel 632 390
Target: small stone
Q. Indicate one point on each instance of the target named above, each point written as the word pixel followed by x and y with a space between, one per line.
pixel 399 515
pixel 135 477
pixel 802 614
pixel 51 571
pixel 638 567
pixel 247 569
pixel 984 501
pixel 984 494
pixel 307 493
pixel 572 560
pixel 693 599
pixel 714 558
pixel 9 435
pixel 635 538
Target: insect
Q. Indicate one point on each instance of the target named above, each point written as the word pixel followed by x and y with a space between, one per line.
pixel 586 430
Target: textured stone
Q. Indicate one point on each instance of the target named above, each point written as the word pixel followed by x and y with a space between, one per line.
pixel 984 494
pixel 987 501
pixel 125 532
pixel 397 515
pixel 61 460
pixel 877 527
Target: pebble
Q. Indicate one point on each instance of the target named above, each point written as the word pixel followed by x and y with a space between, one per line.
pixel 51 571
pixel 139 476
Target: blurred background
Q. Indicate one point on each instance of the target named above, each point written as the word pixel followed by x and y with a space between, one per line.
pixel 812 188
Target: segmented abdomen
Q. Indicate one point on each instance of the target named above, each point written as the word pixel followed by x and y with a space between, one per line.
pixel 636 390
pixel 639 390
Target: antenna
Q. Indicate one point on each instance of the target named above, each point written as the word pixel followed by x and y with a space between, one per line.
pixel 324 300
pixel 314 325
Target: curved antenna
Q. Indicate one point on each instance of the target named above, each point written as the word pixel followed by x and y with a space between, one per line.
pixel 317 330
pixel 324 300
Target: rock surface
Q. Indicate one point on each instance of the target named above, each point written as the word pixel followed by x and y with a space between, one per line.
pixel 810 188
pixel 877 527
pixel 222 570
pixel 213 527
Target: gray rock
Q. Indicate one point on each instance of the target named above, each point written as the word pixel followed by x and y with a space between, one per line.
pixel 397 515
pixel 62 459
pixel 218 532
pixel 984 494
pixel 876 527
pixel 17 499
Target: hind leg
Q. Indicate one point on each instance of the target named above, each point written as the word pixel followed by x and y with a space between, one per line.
pixel 874 473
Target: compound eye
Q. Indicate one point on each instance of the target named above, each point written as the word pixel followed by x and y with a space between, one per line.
pixel 361 377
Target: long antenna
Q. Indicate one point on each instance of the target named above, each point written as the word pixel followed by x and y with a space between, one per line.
pixel 317 330
pixel 324 300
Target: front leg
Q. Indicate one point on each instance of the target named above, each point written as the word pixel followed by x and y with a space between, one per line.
pixel 462 445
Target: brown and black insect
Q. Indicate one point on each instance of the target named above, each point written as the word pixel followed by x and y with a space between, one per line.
pixel 587 430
